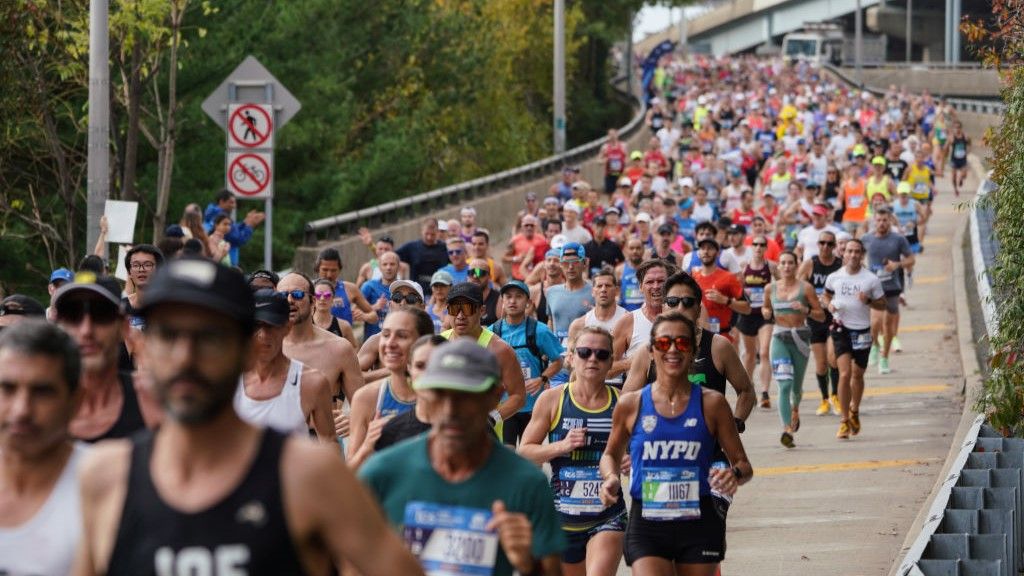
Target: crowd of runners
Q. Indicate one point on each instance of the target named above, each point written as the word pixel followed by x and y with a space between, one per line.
pixel 550 405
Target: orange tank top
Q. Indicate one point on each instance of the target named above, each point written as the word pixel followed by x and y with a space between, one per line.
pixel 856 201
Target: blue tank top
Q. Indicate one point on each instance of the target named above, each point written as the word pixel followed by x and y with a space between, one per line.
pixel 631 297
pixel 575 479
pixel 388 404
pixel 438 320
pixel 907 217
pixel 344 312
pixel 671 459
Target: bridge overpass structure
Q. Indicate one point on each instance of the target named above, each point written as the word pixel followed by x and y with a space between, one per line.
pixel 736 26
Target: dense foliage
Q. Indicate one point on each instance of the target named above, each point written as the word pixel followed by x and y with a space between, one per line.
pixel 398 98
pixel 1000 42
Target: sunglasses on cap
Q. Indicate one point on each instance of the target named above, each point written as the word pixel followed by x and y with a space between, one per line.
pixel 466 308
pixel 601 354
pixel 686 301
pixel 295 294
pixel 74 311
pixel 407 298
pixel 663 343
pixel 479 272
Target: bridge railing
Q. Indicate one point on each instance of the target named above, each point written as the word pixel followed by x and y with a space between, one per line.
pixel 334 227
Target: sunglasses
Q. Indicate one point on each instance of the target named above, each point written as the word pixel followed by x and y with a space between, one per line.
pixel 601 354
pixel 528 225
pixel 456 252
pixel 686 301
pixel 663 343
pixel 74 311
pixel 295 294
pixel 759 244
pixel 479 272
pixel 466 308
pixel 407 298
pixel 826 243
pixel 323 295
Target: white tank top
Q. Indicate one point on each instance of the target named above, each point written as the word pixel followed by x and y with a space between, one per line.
pixel 590 319
pixel 641 332
pixel 282 412
pixel 45 544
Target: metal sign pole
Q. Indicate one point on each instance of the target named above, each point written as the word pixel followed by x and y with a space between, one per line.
pixel 268 226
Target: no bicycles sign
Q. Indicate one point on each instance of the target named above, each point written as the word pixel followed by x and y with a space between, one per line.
pixel 250 174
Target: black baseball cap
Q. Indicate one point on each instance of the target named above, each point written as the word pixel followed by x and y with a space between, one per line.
pixel 263 274
pixel 202 283
pixel 104 287
pixel 711 241
pixel 665 229
pixel 467 291
pixel 271 307
pixel 21 305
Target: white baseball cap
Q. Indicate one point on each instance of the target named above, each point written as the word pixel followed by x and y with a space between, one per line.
pixel 643 217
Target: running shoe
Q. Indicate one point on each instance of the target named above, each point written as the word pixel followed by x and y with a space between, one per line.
pixel 896 346
pixel 787 440
pixel 854 422
pixel 844 431
pixel 823 408
pixel 883 366
pixel 765 402
pixel 834 401
pixel 873 355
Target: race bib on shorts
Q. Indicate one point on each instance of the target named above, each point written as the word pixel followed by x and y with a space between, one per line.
pixel 782 369
pixel 450 540
pixel 580 491
pixel 860 339
pixel 671 494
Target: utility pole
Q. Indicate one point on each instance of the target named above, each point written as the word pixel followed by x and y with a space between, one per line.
pixel 910 29
pixel 629 57
pixel 98 170
pixel 858 40
pixel 683 25
pixel 954 33
pixel 559 84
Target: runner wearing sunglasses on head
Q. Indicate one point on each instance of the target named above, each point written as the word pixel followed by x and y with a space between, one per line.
pixel 576 419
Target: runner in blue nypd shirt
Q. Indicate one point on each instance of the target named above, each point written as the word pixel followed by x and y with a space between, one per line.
pixel 673 429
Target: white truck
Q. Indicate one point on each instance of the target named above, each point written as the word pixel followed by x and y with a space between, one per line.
pixel 828 43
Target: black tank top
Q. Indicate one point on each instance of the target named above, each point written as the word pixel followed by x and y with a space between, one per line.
pixel 819 272
pixel 704 371
pixel 246 532
pixel 490 309
pixel 335 328
pixel 130 420
pixel 542 305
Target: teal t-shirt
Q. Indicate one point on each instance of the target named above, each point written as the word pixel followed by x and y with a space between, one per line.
pixel 442 523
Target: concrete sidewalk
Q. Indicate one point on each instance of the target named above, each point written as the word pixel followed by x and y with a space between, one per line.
pixel 843 508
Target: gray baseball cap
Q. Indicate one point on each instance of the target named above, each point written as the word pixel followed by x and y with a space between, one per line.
pixel 461 365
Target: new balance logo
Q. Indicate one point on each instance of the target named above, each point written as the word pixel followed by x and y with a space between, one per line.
pixel 690 423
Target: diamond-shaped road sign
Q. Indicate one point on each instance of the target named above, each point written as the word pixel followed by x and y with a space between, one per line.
pixel 251 82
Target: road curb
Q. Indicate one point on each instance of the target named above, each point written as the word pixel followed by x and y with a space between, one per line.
pixel 969 391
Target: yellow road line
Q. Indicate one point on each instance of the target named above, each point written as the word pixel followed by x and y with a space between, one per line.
pixel 924 328
pixel 919 389
pixel 841 466
pixel 930 280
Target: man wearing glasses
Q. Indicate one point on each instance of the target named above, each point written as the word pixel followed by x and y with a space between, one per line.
pixel 457 259
pixel 141 262
pixel 277 391
pixel 465 306
pixel 378 291
pixel 113 404
pixel 479 274
pixel 332 355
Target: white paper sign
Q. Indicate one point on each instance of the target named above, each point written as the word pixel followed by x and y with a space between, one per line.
pixel 120 271
pixel 121 221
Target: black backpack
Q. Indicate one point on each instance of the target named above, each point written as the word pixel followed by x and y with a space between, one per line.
pixel 531 340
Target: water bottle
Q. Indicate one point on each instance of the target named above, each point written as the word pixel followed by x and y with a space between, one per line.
pixel 714 325
pixel 721 465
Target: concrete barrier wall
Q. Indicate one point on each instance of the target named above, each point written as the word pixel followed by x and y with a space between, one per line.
pixel 495 212
pixel 963 83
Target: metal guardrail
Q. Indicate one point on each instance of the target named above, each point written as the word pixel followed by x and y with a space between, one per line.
pixel 992 107
pixel 334 227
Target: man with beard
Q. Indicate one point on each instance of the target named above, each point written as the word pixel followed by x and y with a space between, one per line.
pixel 277 391
pixel 207 490
pixel 723 294
pixel 113 405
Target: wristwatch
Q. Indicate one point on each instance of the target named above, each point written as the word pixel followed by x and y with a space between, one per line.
pixel 741 425
pixel 737 472
pixel 545 380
